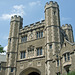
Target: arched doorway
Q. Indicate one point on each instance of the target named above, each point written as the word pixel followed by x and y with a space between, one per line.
pixel 33 73
pixel 30 71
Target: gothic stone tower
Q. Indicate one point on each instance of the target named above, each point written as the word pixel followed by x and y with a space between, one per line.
pixel 53 46
pixel 40 48
pixel 15 25
pixel 69 32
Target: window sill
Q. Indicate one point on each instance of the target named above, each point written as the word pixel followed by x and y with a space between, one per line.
pixel 36 57
pixel 67 63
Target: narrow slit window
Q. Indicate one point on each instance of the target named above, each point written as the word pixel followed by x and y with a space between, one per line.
pixel 57 62
pixel 68 55
pixel 50 46
pixel 8 55
pixel 54 12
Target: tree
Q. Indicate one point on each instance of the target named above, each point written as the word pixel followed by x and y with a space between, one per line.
pixel 70 73
pixel 1 49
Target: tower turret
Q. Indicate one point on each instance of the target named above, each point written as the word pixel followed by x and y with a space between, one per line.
pixel 53 44
pixel 15 25
pixel 52 13
pixel 52 20
pixel 69 32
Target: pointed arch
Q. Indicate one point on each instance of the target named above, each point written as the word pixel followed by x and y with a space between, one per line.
pixel 30 71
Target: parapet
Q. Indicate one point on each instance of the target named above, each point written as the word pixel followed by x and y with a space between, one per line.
pixel 16 18
pixel 66 26
pixel 51 4
pixel 34 25
pixel 37 23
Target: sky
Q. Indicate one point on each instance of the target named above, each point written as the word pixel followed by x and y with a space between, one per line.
pixel 32 11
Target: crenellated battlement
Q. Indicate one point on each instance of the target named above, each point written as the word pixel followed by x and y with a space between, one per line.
pixel 51 4
pixel 34 25
pixel 16 18
pixel 67 26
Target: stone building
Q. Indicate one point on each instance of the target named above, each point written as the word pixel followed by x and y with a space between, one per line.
pixel 2 64
pixel 41 48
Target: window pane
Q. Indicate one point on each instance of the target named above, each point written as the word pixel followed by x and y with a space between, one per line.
pixel 65 57
pixel 24 38
pixel 24 55
pixel 54 12
pixel 57 56
pixel 12 69
pixel 42 34
pixel 8 55
pixel 21 39
pixel 57 62
pixel 68 55
pixel 37 34
pixel 50 46
pixel 37 51
pixel 21 55
pixel 40 51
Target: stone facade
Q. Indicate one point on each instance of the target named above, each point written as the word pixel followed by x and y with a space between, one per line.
pixel 2 64
pixel 41 48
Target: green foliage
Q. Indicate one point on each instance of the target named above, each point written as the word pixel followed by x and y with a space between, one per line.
pixel 71 73
pixel 1 49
